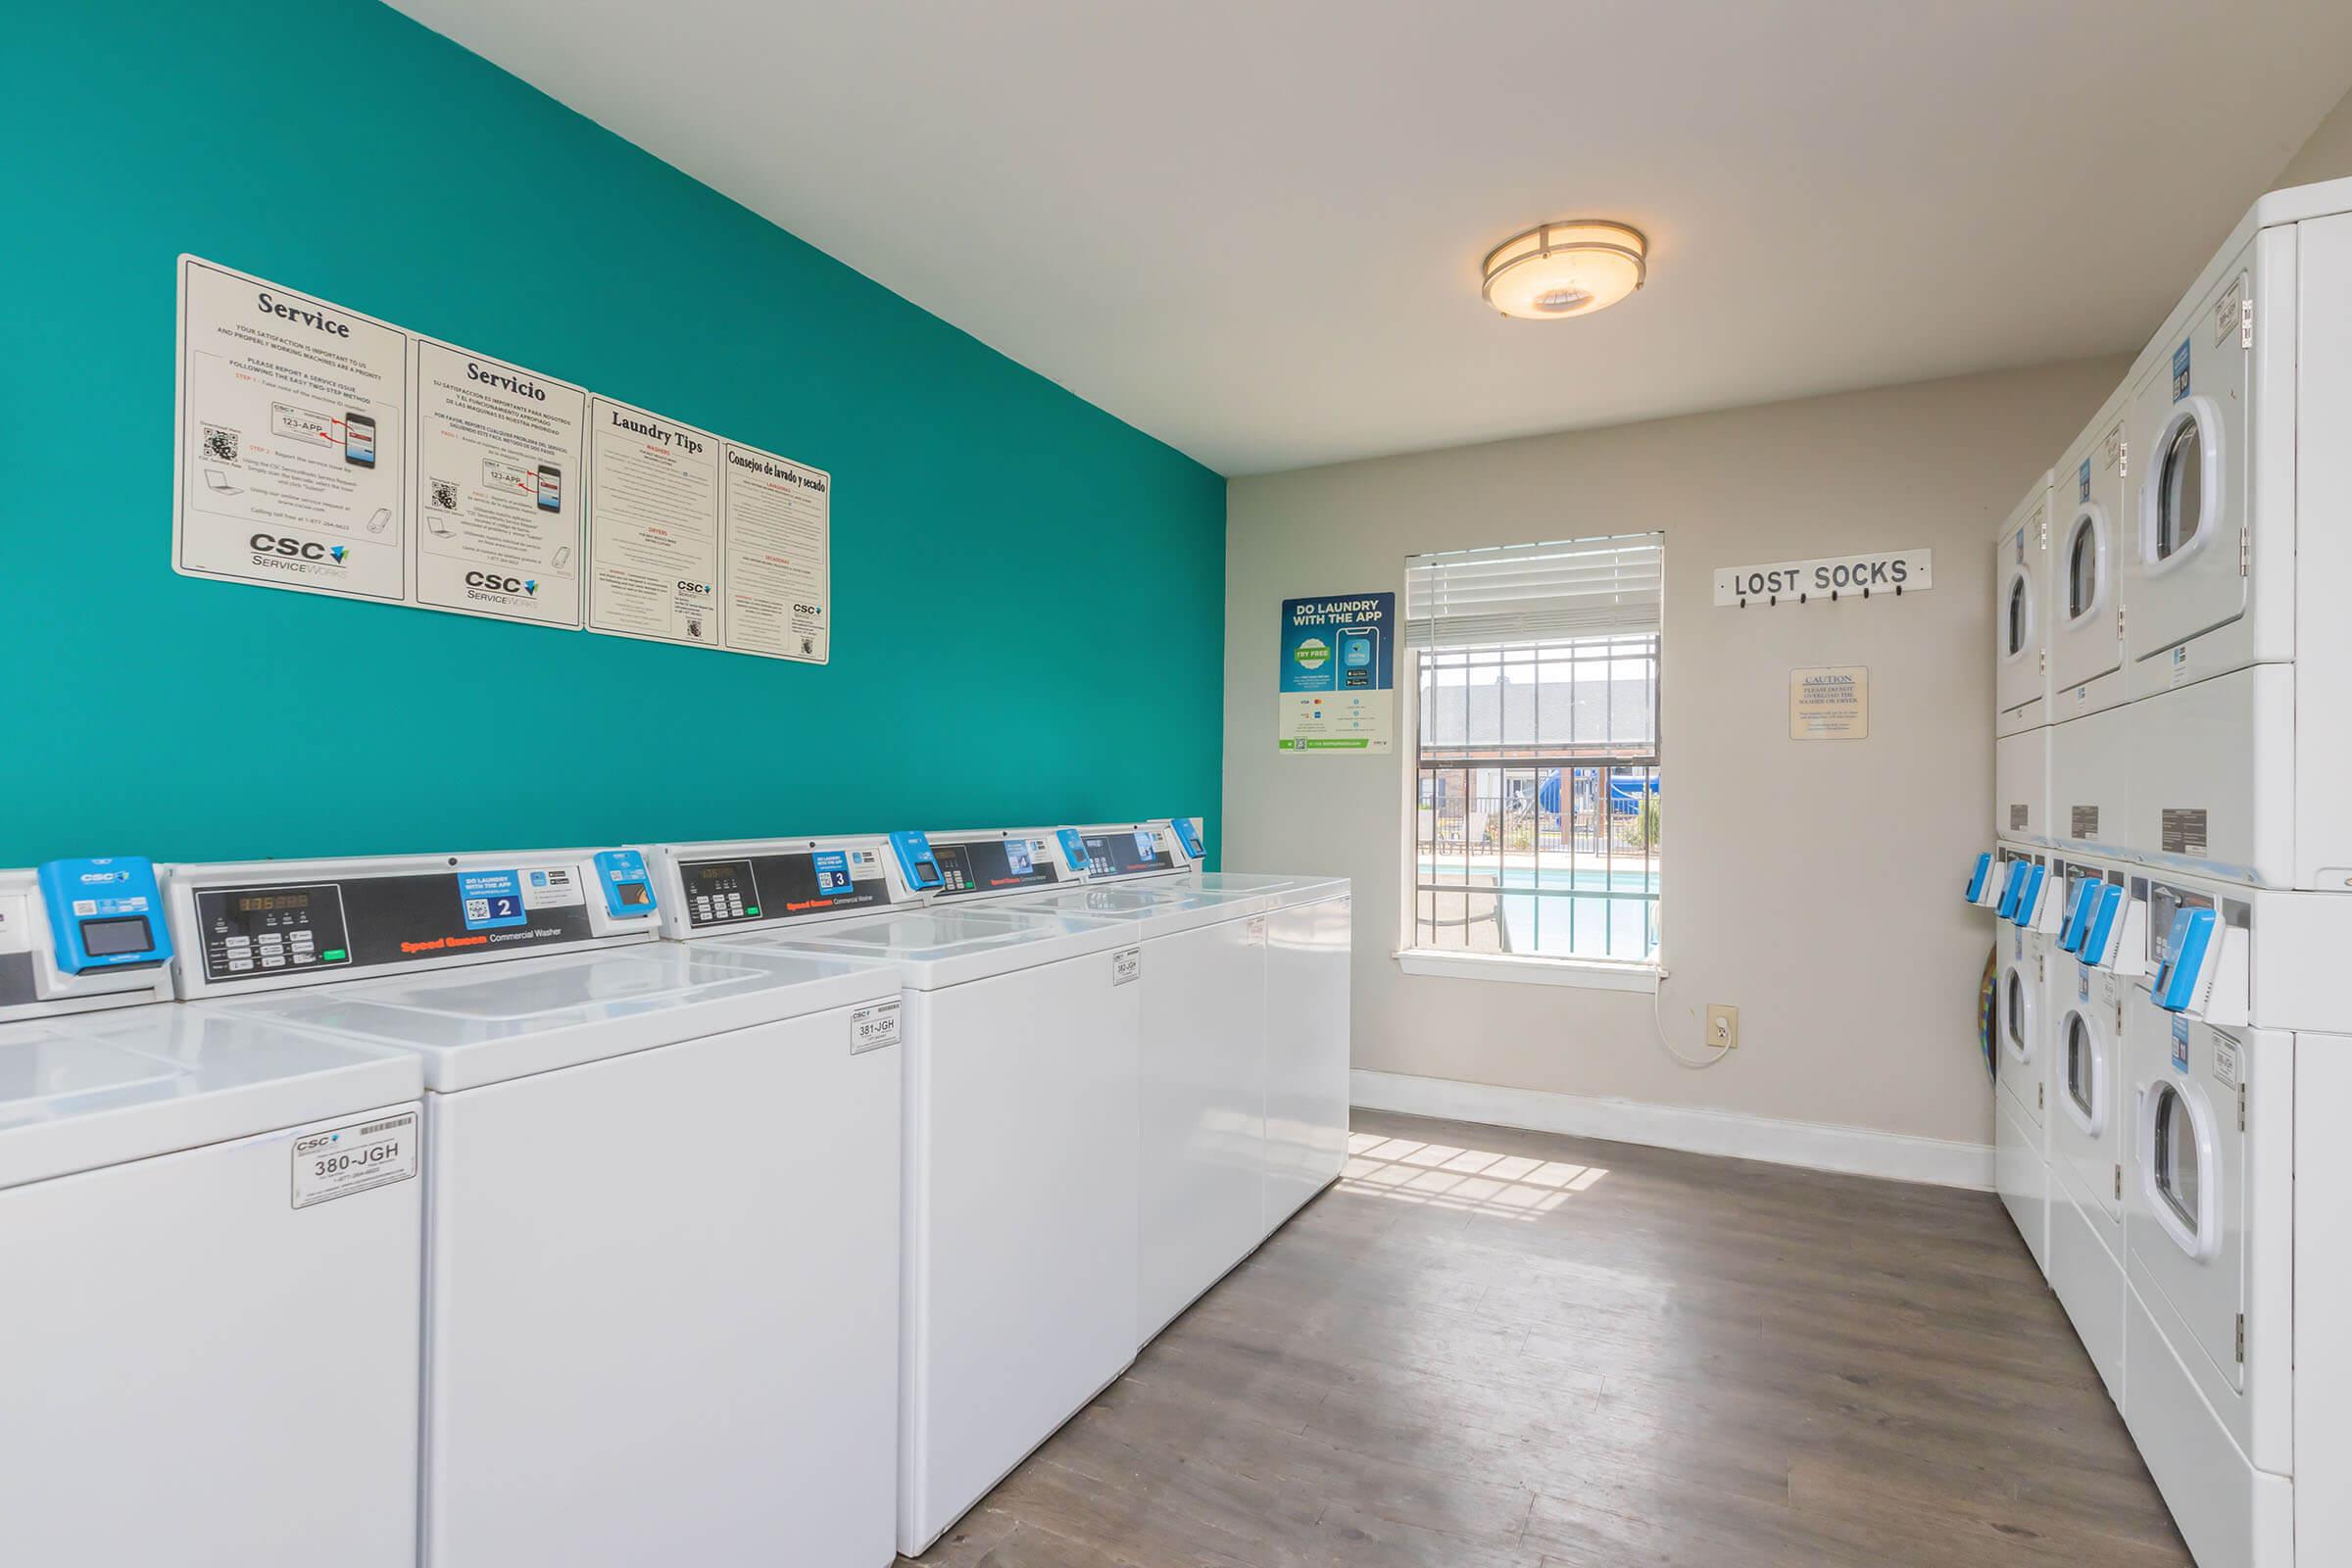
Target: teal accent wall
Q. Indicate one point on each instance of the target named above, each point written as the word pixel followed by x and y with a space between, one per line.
pixel 1028 594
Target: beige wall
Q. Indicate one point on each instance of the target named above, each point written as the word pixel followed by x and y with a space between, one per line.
pixel 2326 154
pixel 1813 885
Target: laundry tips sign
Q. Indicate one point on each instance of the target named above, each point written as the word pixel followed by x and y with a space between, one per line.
pixel 1336 689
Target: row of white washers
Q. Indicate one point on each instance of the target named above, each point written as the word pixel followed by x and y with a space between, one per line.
pixel 2174 873
pixel 671 1301
pixel 1122 1073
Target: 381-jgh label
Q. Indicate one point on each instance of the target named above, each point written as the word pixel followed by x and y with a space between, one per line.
pixel 873 1026
pixel 342 1160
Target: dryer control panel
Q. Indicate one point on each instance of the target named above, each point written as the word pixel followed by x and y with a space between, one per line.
pixel 271 924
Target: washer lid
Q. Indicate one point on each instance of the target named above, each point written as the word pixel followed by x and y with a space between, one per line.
pixel 489 1023
pixel 102 1089
pixel 1157 907
pixel 940 947
pixel 1288 891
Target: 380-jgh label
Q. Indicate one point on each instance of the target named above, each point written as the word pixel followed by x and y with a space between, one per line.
pixel 338 1161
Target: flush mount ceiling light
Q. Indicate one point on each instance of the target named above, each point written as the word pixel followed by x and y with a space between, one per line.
pixel 1556 270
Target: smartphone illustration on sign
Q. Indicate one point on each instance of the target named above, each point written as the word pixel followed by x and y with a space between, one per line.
pixel 359 440
pixel 551 488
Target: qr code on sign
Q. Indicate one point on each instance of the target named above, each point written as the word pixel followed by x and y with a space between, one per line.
pixel 445 494
pixel 220 445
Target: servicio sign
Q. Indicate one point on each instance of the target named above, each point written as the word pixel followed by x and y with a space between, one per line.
pixel 1884 572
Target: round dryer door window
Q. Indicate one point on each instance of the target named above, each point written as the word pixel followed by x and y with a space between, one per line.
pixel 2085 563
pixel 2021 615
pixel 2180 489
pixel 2176 1148
pixel 2016 1024
pixel 2085 1071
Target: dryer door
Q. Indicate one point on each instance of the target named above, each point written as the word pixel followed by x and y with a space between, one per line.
pixel 2187 1216
pixel 2085 1070
pixel 2187 569
pixel 2021 618
pixel 2085 636
pixel 2019 1011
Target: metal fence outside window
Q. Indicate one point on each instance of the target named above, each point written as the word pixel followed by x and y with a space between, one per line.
pixel 1538 798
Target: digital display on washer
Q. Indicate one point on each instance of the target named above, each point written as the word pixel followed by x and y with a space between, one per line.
pixel 772 887
pixel 991 865
pixel 1125 854
pixel 110 939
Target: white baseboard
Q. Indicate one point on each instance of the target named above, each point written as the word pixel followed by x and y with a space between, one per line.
pixel 1856 1151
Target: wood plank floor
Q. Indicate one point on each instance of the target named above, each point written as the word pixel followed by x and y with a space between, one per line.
pixel 1488 1348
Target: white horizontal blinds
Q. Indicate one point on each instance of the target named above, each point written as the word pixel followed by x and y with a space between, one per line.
pixel 1534 593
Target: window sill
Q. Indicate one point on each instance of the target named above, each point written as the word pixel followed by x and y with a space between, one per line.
pixel 1590 974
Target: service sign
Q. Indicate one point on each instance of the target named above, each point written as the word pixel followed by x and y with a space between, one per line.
pixel 1886 571
pixel 1336 684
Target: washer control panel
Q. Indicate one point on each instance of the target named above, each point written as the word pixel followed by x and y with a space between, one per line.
pixel 1006 864
pixel 251 931
pixel 761 889
pixel 264 924
pixel 1116 852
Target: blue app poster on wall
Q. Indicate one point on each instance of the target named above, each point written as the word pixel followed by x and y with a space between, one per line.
pixel 1337 688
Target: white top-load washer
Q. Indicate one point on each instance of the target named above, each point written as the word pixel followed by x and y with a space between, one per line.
pixel 1018 1033
pixel 660 1259
pixel 1199 961
pixel 1309 940
pixel 211 1229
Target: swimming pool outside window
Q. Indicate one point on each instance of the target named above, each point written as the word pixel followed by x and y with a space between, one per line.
pixel 1537 769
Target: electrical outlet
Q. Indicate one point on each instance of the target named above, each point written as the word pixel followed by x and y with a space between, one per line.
pixel 1723 1026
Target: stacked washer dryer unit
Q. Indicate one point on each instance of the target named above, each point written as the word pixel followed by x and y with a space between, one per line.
pixel 1310 936
pixel 2022 836
pixel 2198 760
pixel 2100 950
pixel 1018 1246
pixel 661 1181
pixel 210 1231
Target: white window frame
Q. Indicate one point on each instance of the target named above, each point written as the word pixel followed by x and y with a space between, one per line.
pixel 1636 975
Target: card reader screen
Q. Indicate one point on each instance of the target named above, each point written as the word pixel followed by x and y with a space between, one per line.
pixel 635 893
pixel 110 939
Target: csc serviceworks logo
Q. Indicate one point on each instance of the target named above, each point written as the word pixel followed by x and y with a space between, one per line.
pixel 492 583
pixel 310 550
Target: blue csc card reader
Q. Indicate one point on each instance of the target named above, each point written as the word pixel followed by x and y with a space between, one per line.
pixel 629 889
pixel 104 914
pixel 916 863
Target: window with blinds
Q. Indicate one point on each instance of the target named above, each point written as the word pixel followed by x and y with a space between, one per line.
pixel 1536 748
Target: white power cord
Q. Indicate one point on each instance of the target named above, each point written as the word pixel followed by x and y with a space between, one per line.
pixel 1658 1024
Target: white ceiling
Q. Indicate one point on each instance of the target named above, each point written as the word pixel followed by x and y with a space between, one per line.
pixel 1252 228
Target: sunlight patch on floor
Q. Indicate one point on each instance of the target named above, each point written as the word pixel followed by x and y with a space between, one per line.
pixel 1478 1180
